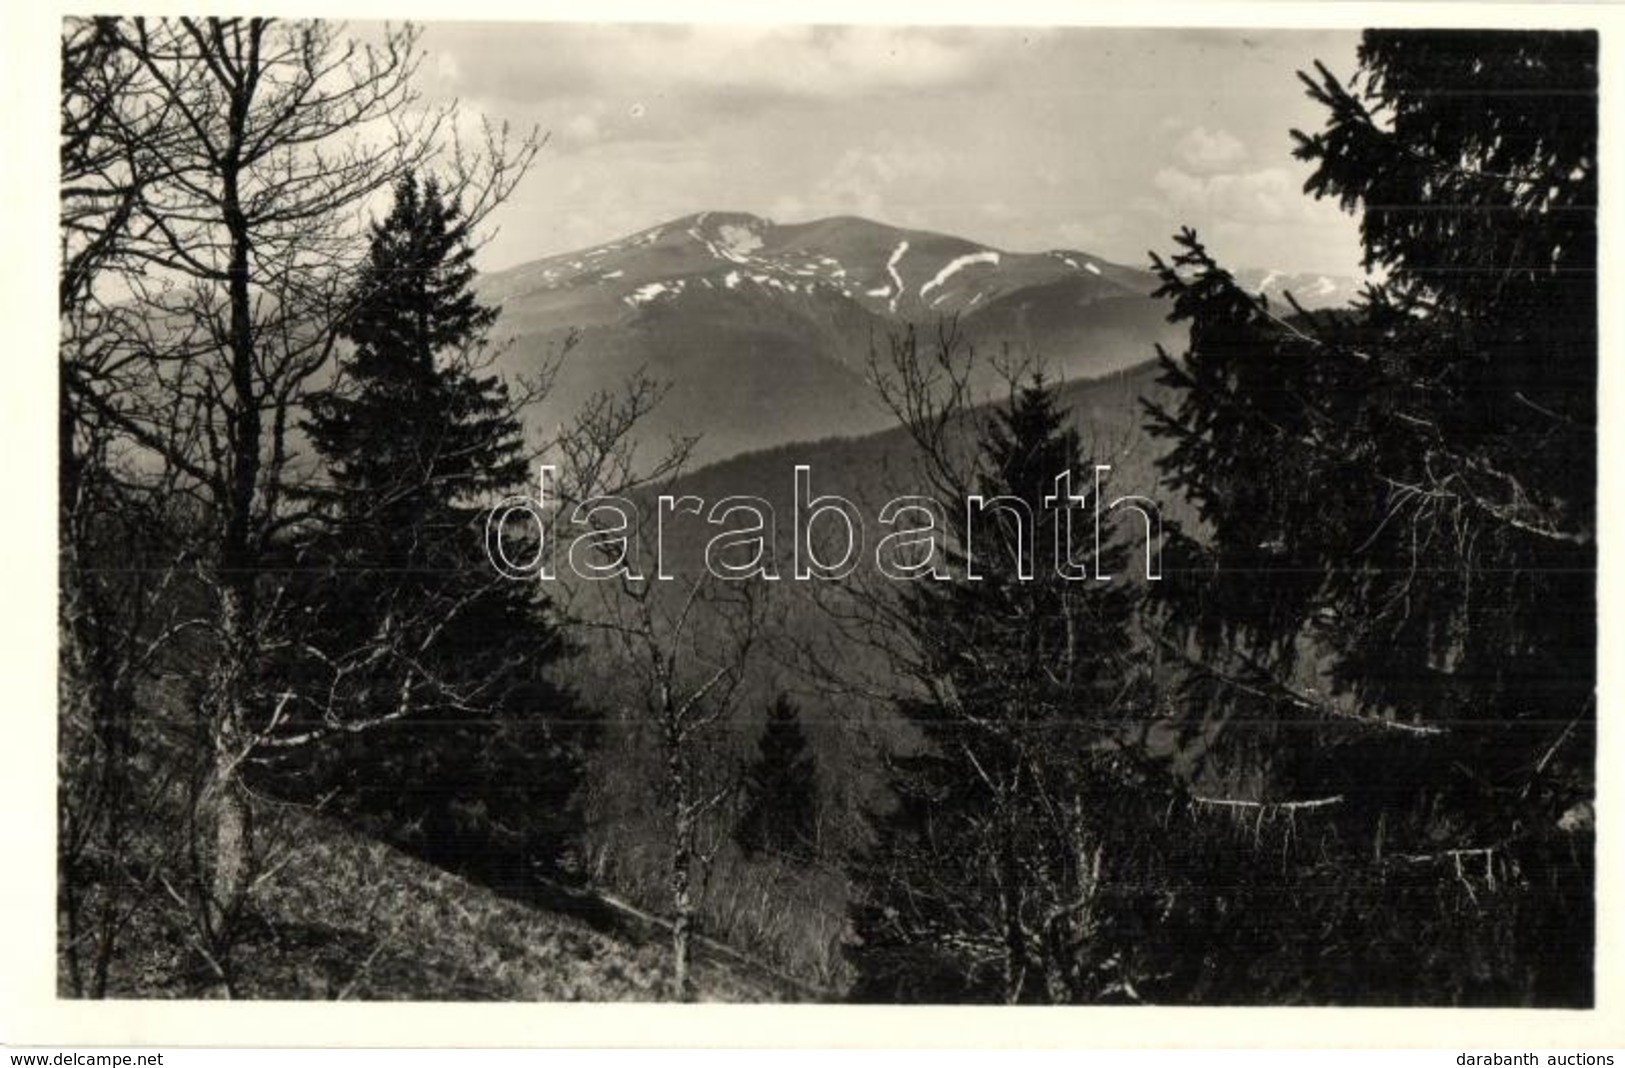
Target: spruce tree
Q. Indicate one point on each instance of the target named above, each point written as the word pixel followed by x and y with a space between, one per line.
pixel 781 790
pixel 474 758
pixel 1393 596
pixel 1012 861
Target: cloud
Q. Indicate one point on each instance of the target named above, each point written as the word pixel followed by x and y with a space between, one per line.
pixel 879 182
pixel 1025 138
pixel 1265 196
pixel 1114 234
pixel 581 129
pixel 787 206
pixel 857 184
pixel 1204 152
pixel 1256 218
pixel 542 61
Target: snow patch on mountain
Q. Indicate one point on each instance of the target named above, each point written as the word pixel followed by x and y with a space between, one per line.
pixel 731 241
pixel 891 269
pixel 739 239
pixel 651 291
pixel 648 237
pixel 955 266
pixel 1086 265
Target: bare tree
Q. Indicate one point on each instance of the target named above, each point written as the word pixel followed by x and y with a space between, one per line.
pixel 239 247
pixel 683 644
pixel 998 865
pixel 117 613
pixel 684 683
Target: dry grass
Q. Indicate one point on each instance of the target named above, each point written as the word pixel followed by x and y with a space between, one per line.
pixel 345 917
pixel 787 915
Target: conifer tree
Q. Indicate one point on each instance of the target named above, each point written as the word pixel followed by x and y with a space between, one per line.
pixel 1395 591
pixel 994 878
pixel 214 168
pixel 418 440
pixel 781 790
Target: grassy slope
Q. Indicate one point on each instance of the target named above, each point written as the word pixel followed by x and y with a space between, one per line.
pixel 341 916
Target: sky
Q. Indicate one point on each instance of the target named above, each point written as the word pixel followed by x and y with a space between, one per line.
pixel 1103 140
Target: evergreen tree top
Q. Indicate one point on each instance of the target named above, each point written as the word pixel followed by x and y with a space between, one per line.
pixel 413 433
pixel 1028 444
pixel 415 297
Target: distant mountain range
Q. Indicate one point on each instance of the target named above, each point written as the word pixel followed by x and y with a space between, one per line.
pixel 763 331
pixel 1310 290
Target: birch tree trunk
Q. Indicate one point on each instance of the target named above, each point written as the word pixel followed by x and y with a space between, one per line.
pixel 682 860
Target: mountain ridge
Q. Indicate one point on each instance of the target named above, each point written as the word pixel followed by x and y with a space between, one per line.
pixel 763 331
pixel 899 269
